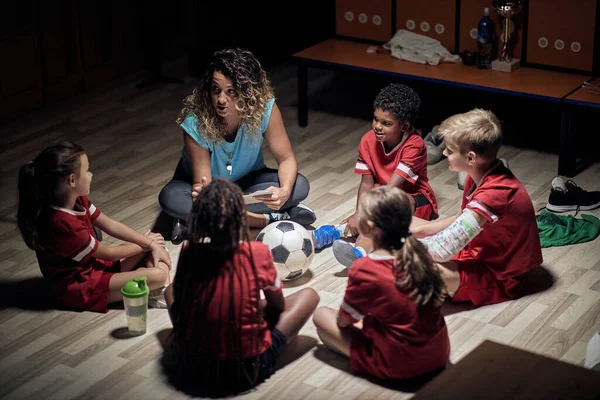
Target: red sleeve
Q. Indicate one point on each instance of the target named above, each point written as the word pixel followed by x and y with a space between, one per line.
pixel 413 159
pixel 490 202
pixel 88 205
pixel 74 242
pixel 267 274
pixel 360 291
pixel 362 166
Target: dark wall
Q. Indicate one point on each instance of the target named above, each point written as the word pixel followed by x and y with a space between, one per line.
pixel 56 49
pixel 272 30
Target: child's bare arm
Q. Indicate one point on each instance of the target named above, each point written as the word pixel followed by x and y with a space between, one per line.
pixel 342 321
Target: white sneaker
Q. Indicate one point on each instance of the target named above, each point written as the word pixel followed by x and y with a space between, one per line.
pixel 156 298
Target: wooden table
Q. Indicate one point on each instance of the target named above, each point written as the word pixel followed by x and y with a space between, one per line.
pixel 580 100
pixel 496 371
pixel 350 55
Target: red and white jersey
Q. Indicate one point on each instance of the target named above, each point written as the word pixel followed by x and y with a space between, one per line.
pixel 69 242
pixel 509 243
pixel 399 340
pixel 408 159
pixel 210 321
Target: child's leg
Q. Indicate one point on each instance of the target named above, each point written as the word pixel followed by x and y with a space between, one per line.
pixel 451 276
pixel 155 278
pixel 298 309
pixel 335 338
pixel 256 220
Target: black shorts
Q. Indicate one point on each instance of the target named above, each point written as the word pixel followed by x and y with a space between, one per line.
pixel 268 359
pixel 227 377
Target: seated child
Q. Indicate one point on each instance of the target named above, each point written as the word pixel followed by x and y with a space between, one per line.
pixel 393 154
pixel 487 247
pixel 396 291
pixel 57 220
pixel 225 338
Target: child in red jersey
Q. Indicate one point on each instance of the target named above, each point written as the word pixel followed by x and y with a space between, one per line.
pixel 486 248
pixel 57 220
pixel 392 154
pixel 225 338
pixel 396 291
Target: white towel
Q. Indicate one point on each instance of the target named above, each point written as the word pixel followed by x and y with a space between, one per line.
pixel 410 46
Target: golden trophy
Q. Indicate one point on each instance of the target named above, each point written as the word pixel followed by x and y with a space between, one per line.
pixel 506 9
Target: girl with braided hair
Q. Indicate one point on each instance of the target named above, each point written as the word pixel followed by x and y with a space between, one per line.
pixel 396 291
pixel 225 338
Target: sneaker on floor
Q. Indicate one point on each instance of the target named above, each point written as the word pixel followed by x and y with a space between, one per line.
pixel 567 196
pixel 156 298
pixel 345 253
pixel 325 235
pixel 435 146
pixel 178 231
pixel 300 214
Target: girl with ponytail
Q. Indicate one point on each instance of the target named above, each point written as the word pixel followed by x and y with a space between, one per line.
pixel 396 290
pixel 58 221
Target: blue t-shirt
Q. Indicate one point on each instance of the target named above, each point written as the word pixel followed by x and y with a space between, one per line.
pixel 244 153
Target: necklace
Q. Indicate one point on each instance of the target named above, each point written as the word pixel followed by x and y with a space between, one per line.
pixel 229 155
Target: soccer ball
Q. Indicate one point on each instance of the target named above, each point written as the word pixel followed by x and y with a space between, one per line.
pixel 291 246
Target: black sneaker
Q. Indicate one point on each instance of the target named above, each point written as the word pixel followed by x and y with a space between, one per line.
pixel 300 214
pixel 178 231
pixel 567 196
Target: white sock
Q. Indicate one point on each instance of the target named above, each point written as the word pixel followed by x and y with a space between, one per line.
pixel 268 218
pixel 592 354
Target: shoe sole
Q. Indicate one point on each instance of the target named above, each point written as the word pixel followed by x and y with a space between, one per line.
pixel 554 208
pixel 344 254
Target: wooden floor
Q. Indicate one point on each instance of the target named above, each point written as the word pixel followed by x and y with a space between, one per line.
pixel 133 144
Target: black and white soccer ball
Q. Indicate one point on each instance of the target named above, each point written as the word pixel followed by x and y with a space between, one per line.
pixel 291 246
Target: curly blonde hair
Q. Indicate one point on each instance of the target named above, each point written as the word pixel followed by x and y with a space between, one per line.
pixel 251 84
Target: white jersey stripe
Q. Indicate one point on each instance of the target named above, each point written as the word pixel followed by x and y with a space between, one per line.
pixel 361 166
pixel 86 251
pixel 408 171
pixel 353 313
pixel 490 214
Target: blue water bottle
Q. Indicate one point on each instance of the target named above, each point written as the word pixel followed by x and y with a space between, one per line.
pixel 485 40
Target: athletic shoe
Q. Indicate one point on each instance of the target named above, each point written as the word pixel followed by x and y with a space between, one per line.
pixel 435 146
pixel 178 231
pixel 325 235
pixel 567 196
pixel 345 253
pixel 300 214
pixel 156 298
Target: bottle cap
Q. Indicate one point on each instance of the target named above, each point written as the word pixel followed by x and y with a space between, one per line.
pixel 136 287
pixel 486 11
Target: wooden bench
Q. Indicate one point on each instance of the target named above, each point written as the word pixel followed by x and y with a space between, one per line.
pixel 575 103
pixel 525 82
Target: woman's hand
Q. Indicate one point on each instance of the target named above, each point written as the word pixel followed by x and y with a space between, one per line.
pixel 156 237
pixel 352 225
pixel 197 187
pixel 275 200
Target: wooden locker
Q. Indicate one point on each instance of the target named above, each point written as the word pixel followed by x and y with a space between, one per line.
pixel 561 34
pixel 371 20
pixel 471 12
pixel 432 18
